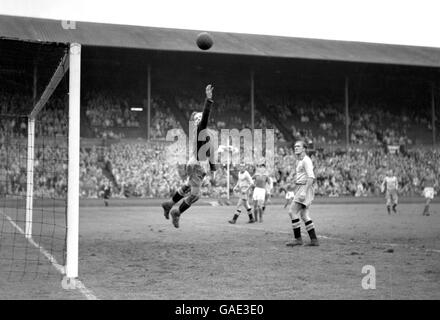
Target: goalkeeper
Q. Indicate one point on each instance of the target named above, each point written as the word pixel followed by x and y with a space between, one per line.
pixel 190 190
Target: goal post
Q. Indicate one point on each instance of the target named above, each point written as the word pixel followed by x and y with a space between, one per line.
pixel 74 161
pixel 30 177
pixel 50 88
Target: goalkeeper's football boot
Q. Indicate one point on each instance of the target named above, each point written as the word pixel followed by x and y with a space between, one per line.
pixel 296 242
pixel 175 216
pixel 167 205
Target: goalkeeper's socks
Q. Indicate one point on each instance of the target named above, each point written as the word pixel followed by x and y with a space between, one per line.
pixel 177 196
pixel 394 207
pixel 183 207
pixel 296 226
pixel 388 209
pixel 310 229
pixel 235 217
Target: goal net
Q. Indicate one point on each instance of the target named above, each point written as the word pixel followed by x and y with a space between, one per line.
pixel 35 108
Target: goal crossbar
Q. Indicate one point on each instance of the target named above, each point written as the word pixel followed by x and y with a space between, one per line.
pixel 52 85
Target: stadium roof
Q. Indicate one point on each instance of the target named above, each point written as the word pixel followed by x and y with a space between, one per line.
pixel 150 38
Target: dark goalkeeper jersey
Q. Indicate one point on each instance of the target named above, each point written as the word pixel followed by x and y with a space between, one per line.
pixel 204 155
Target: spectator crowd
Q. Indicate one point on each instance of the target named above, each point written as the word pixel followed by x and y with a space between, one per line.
pixel 144 169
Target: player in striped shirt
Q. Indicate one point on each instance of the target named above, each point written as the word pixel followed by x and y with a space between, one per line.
pixel 428 184
pixel 243 185
pixel 390 186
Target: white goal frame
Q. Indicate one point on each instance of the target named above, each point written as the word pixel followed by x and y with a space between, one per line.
pixel 72 61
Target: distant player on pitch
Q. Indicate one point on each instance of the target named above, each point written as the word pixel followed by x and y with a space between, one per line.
pixel 428 183
pixel 242 187
pixel 190 190
pixel 259 195
pixel 304 194
pixel 269 188
pixel 290 187
pixel 390 186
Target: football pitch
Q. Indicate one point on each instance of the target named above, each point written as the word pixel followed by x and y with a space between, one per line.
pixel 133 252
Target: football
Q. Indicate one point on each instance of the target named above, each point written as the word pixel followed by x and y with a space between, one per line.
pixel 204 41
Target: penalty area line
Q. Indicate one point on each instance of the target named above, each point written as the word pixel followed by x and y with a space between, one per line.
pixel 61 269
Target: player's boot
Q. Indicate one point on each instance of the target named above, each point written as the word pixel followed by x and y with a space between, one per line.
pixel 314 242
pixel 296 242
pixel 167 205
pixel 234 219
pixel 175 216
pixel 425 211
pixel 251 220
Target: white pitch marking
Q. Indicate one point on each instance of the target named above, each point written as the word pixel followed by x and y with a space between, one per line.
pixel 79 285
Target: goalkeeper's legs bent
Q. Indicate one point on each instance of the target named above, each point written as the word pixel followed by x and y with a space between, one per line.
pixel 178 195
pixel 187 202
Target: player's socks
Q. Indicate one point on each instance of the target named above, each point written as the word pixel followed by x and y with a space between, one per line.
pixel 389 209
pixel 311 229
pixel 183 207
pixel 177 196
pixel 296 226
pixel 251 218
pixel 234 218
pixel 394 208
pixel 426 210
